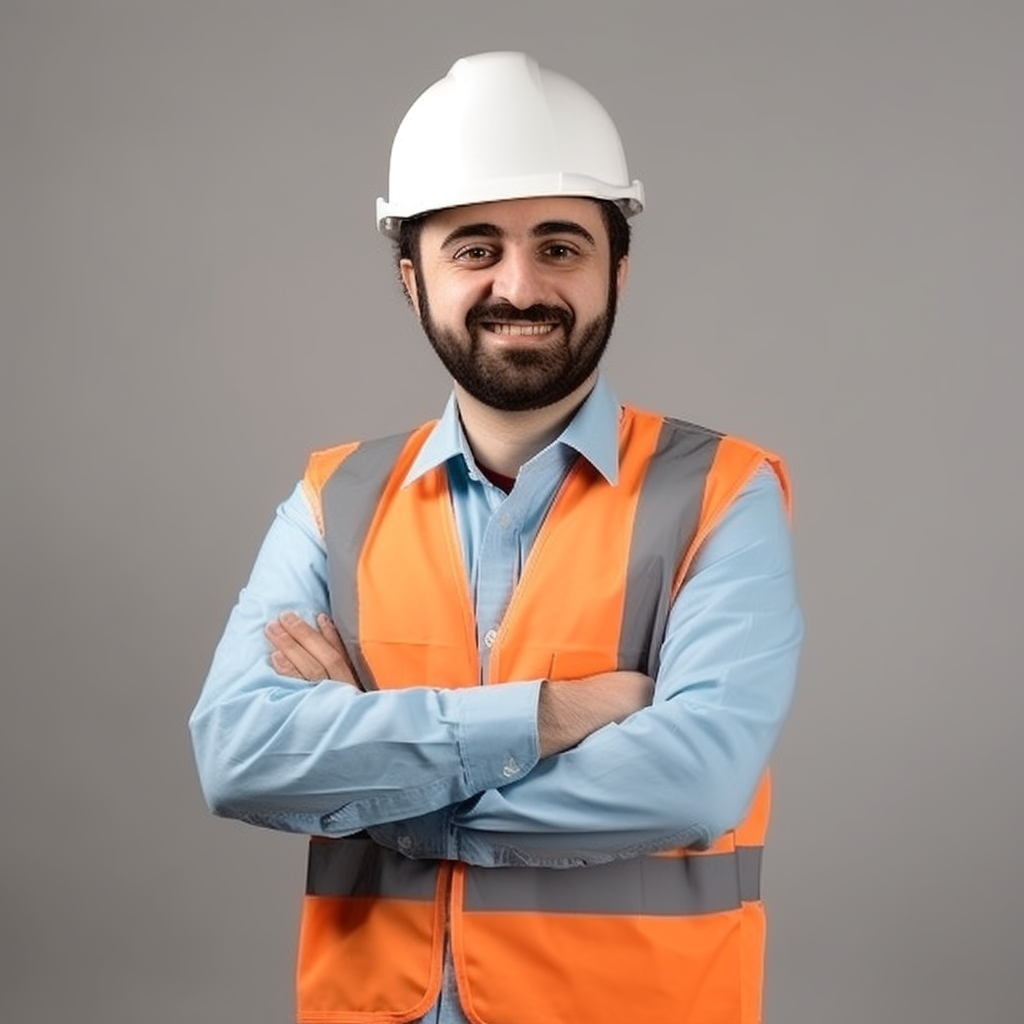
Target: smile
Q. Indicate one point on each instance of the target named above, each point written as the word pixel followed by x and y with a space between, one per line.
pixel 520 330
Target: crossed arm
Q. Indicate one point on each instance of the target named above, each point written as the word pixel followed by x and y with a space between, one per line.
pixel 567 710
pixel 477 775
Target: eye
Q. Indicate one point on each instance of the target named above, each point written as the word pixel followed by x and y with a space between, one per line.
pixel 475 253
pixel 559 251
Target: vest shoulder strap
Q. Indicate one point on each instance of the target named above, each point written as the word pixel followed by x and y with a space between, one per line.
pixel 379 456
pixel 735 463
pixel 319 468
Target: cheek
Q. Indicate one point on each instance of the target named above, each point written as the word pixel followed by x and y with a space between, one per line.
pixel 592 300
pixel 452 296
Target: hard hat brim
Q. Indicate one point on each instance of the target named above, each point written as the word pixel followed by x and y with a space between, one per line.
pixel 630 199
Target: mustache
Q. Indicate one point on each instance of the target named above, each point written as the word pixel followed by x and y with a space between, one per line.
pixel 537 313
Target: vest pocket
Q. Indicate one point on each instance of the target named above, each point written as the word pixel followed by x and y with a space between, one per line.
pixel 361 899
pixel 606 968
pixel 576 664
pixel 431 663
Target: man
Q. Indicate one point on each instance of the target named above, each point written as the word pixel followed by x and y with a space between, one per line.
pixel 566 631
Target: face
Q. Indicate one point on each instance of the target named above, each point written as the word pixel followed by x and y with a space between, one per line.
pixel 517 297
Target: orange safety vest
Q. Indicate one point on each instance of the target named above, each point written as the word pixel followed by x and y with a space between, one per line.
pixel 676 937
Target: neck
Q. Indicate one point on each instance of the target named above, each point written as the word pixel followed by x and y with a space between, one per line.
pixel 502 440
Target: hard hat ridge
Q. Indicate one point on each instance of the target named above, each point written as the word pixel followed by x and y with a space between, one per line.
pixel 498 126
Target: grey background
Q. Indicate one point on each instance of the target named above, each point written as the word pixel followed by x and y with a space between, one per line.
pixel 192 296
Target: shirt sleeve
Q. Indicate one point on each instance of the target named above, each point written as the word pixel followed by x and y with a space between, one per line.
pixel 684 770
pixel 326 758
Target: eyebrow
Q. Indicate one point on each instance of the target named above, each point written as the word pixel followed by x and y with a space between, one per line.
pixel 542 230
pixel 562 227
pixel 472 231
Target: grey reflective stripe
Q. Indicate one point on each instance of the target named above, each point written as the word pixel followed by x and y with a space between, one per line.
pixel 667 516
pixel 653 886
pixel 349 499
pixel 750 872
pixel 359 867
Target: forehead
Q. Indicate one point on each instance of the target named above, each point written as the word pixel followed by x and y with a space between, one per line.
pixel 515 218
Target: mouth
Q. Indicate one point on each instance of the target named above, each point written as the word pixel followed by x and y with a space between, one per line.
pixel 518 330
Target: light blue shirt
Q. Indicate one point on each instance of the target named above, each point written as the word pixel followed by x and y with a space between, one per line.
pixel 455 773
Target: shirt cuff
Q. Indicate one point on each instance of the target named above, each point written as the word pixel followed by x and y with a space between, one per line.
pixel 498 741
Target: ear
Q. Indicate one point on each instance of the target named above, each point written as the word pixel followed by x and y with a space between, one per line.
pixel 622 275
pixel 408 272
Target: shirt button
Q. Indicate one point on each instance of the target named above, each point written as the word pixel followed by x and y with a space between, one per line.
pixel 405 843
pixel 490 636
pixel 510 769
pixel 505 520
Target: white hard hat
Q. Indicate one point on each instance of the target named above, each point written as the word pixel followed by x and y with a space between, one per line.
pixel 497 126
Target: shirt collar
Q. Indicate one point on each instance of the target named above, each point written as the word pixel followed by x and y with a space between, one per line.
pixel 593 432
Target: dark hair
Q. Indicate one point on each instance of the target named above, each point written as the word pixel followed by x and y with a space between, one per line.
pixel 407 245
pixel 618 231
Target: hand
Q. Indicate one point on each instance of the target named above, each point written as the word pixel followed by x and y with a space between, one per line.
pixel 302 652
pixel 570 710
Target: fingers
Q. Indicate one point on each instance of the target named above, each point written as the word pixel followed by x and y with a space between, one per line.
pixel 291 642
pixel 330 633
pixel 339 666
pixel 309 654
pixel 284 667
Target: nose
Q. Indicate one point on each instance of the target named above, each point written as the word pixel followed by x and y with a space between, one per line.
pixel 518 279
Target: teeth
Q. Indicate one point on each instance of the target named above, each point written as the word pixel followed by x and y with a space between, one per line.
pixel 520 329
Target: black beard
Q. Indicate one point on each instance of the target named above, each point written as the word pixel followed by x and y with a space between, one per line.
pixel 524 378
